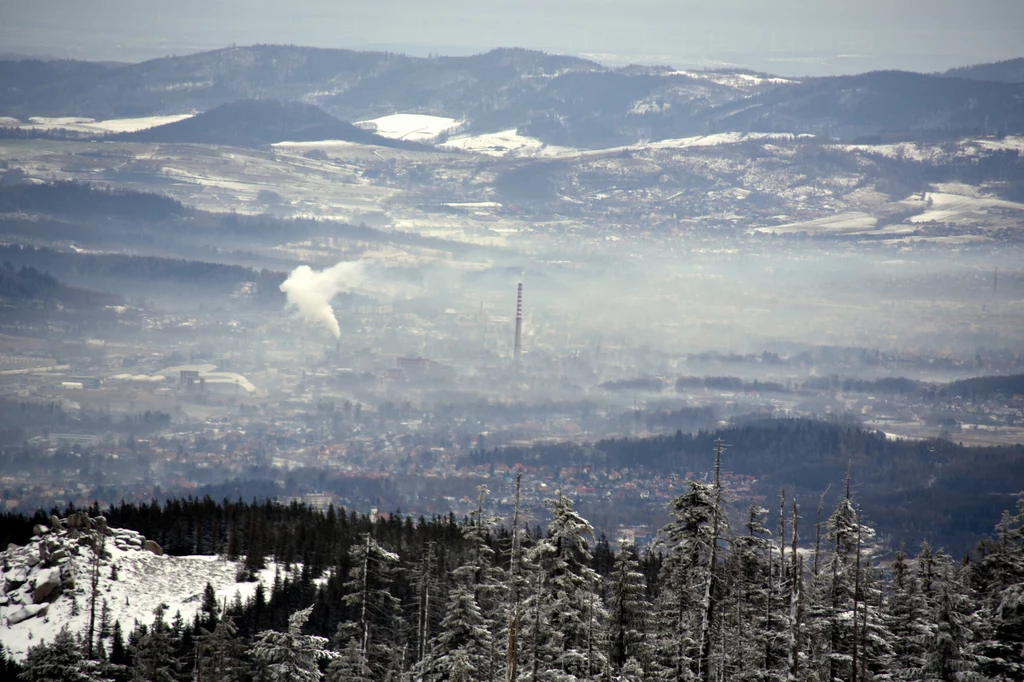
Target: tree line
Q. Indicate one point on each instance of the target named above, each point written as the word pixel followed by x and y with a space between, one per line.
pixel 720 596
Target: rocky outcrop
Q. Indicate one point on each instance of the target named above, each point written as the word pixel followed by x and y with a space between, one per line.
pixel 45 584
pixel 40 572
pixel 26 612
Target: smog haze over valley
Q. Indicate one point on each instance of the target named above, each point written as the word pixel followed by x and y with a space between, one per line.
pixel 364 258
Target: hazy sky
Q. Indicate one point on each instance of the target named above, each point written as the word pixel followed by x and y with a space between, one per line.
pixel 793 37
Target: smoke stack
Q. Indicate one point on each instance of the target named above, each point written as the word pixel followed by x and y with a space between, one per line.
pixel 519 324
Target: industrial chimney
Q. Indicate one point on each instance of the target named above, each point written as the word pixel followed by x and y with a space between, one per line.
pixel 519 325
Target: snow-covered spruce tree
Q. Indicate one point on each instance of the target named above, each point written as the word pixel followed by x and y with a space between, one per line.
pixel 220 654
pixel 752 608
pixel 908 618
pixel 629 613
pixel 155 659
pixel 289 656
pixel 351 665
pixel 489 587
pixel 950 654
pixel 60 661
pixel 998 579
pixel 564 624
pixel 463 645
pixel 380 622
pixel 690 580
pixel 850 636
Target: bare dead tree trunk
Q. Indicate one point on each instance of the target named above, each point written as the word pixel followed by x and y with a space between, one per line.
pixel 856 597
pixel 794 601
pixel 704 663
pixel 512 655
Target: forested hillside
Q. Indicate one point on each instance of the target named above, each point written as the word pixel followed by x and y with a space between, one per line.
pixel 720 597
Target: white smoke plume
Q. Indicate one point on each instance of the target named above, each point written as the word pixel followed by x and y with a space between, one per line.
pixel 311 291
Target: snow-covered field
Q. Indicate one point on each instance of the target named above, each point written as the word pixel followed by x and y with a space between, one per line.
pixel 852 222
pixel 962 205
pixel 414 127
pixel 89 125
pixel 720 139
pixel 504 143
pixel 736 80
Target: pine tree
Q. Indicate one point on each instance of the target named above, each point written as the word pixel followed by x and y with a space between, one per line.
pixel 907 615
pixel 350 666
pixel 155 659
pixel 60 661
pixel 689 581
pixel 567 637
pixel 220 654
pixel 950 656
pixel 999 581
pixel 118 652
pixel 104 630
pixel 368 594
pixel 289 656
pixel 463 645
pixel 629 610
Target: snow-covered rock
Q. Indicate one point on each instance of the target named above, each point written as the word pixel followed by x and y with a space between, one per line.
pixel 47 577
pixel 26 612
pixel 44 585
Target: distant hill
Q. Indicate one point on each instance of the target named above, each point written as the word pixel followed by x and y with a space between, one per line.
pixel 561 100
pixel 881 103
pixel 1009 71
pixel 248 123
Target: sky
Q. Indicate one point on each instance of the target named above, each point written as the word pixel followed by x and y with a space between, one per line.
pixel 788 37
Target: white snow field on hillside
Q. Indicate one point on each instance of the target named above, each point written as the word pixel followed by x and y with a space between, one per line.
pixel 852 222
pixel 963 205
pixel 45 578
pixel 413 127
pixel 503 143
pixel 734 79
pixel 90 125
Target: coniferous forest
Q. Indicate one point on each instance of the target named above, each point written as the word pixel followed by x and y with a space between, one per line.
pixel 720 596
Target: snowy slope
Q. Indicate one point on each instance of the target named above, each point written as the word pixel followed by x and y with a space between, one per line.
pixel 415 127
pixel 89 125
pixel 145 580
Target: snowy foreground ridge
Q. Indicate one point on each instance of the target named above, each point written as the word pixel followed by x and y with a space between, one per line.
pixel 47 584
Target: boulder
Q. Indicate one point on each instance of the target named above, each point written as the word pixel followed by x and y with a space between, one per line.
pixel 24 613
pixel 45 584
pixel 16 578
pixel 54 522
pixel 57 556
pixel 101 523
pixel 32 559
pixel 153 547
pixel 40 529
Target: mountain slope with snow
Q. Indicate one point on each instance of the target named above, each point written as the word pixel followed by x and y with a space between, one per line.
pixel 47 583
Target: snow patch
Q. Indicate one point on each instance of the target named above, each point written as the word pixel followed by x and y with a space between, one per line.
pixel 853 222
pixel 415 127
pixel 89 125
pixel 144 582
pixel 959 208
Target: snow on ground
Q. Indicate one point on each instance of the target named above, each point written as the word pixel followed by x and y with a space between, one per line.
pixel 504 143
pixel 719 139
pixel 852 222
pixel 415 127
pixel 511 143
pixel 907 150
pixel 961 204
pixel 317 144
pixel 1009 143
pixel 144 582
pixel 733 79
pixel 89 125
